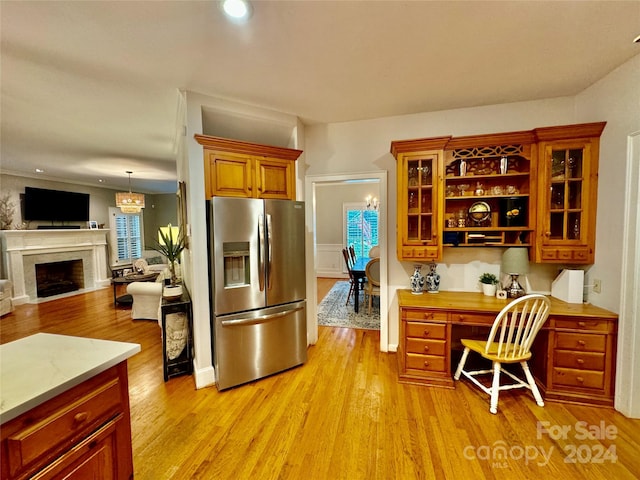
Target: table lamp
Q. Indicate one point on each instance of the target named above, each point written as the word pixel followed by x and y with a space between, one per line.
pixel 515 261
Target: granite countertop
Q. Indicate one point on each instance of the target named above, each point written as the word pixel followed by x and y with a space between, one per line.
pixel 37 368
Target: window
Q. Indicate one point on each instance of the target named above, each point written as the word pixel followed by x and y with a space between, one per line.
pixel 126 236
pixel 361 228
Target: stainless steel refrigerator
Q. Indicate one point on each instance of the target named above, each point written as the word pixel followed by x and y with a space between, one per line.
pixel 258 292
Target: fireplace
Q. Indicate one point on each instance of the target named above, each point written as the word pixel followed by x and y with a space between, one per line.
pixel 77 261
pixel 56 278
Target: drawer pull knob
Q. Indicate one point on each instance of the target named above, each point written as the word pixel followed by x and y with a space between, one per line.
pixel 580 379
pixel 580 361
pixel 460 317
pixel 81 417
pixel 426 333
pixel 582 324
pixel 426 364
pixel 581 343
pixel 428 316
pixel 426 348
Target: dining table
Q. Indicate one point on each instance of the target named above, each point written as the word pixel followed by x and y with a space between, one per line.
pixel 359 277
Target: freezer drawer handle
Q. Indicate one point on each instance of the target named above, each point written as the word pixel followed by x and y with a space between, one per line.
pixel 253 321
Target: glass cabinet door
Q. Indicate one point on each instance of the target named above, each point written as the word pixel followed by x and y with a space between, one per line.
pixel 566 190
pixel 420 200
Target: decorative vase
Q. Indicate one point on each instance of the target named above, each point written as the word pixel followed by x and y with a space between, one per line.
pixel 417 280
pixel 432 279
pixel 489 289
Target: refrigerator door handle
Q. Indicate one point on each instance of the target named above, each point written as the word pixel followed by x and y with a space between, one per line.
pixel 269 240
pixel 257 320
pixel 261 253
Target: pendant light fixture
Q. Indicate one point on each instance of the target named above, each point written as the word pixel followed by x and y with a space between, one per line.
pixel 130 202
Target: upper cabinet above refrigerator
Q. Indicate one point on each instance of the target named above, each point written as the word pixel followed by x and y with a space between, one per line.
pixel 233 168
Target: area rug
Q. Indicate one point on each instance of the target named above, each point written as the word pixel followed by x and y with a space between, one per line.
pixel 333 312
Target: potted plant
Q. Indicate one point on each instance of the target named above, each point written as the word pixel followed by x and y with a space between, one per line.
pixel 171 243
pixel 489 283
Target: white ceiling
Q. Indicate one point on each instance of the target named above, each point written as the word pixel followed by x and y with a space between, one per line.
pixel 90 89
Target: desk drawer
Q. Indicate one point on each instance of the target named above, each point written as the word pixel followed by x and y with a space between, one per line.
pixel 62 425
pixel 594 325
pixel 582 342
pixel 580 360
pixel 578 378
pixel 473 318
pixel 429 363
pixel 423 315
pixel 426 330
pixel 426 347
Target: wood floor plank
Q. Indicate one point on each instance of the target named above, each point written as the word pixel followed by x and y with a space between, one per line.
pixel 342 415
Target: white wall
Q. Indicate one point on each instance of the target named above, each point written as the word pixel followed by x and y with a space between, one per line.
pixel 616 98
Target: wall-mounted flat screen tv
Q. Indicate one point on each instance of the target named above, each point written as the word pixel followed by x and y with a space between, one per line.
pixel 55 205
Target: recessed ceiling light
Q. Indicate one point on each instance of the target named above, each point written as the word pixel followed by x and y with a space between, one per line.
pixel 39 170
pixel 237 10
pixel 637 39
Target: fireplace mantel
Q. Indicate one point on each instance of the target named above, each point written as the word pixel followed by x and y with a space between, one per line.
pixel 22 249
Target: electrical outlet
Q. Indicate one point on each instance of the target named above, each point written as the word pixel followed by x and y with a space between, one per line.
pixel 597 286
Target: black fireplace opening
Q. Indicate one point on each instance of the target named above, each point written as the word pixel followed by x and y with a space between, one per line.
pixel 56 278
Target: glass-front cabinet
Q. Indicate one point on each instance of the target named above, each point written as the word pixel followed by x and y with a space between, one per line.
pixel 567 193
pixel 419 198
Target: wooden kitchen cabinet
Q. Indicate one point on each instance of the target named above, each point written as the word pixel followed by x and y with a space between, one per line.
pixel 420 200
pixel 567 193
pixel 535 188
pixel 234 168
pixel 84 432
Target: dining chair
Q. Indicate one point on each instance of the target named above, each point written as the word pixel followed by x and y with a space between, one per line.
pixel 372 287
pixel 352 254
pixel 352 281
pixel 513 331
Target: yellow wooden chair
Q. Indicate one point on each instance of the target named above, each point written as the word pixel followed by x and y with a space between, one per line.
pixel 372 287
pixel 510 339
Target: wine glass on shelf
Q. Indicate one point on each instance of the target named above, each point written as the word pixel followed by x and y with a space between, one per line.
pixel 463 188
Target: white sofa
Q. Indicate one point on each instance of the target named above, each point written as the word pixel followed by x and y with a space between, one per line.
pixel 6 294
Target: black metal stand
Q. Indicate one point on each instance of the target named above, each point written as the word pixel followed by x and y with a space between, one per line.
pixel 183 363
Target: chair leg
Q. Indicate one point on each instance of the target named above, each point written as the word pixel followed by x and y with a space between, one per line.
pixel 461 363
pixel 532 384
pixel 349 294
pixel 495 388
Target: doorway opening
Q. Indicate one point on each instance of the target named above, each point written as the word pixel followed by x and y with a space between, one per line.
pixel 312 184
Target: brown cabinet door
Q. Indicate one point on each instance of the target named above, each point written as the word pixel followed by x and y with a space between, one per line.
pixel 419 208
pixel 275 178
pixel 228 175
pixel 567 193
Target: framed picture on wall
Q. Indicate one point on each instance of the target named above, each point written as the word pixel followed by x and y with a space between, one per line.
pixel 182 210
pixel 93 225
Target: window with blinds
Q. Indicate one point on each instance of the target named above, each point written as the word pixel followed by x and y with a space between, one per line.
pixel 127 243
pixel 361 227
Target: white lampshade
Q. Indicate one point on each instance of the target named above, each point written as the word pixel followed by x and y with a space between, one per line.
pixel 168 232
pixel 515 261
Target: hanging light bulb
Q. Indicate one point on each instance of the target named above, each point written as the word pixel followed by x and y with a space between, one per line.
pixel 130 202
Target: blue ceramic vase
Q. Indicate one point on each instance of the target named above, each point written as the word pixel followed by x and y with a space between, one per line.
pixel 417 280
pixel 432 279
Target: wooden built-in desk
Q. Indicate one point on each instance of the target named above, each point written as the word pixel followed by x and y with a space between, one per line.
pixel 573 355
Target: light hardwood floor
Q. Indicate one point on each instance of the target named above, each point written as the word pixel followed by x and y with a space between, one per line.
pixel 342 415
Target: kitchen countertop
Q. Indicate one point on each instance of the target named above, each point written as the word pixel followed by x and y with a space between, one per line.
pixel 37 368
